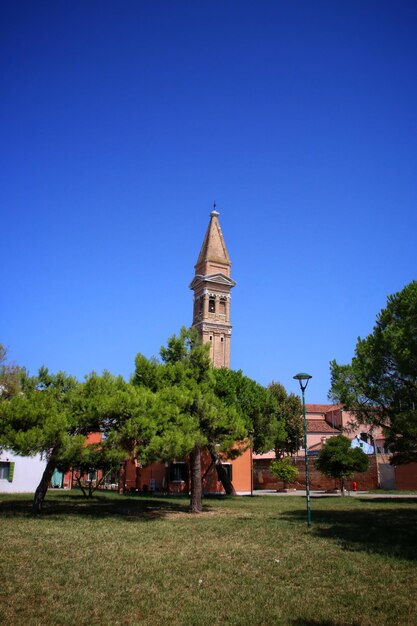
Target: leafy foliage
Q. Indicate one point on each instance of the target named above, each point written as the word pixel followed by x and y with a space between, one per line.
pixel 284 469
pixel 380 384
pixel 54 413
pixel 189 415
pixel 338 459
pixel 288 428
pixel 41 417
pixel 10 374
pixel 255 404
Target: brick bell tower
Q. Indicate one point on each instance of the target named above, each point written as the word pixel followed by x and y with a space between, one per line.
pixel 211 285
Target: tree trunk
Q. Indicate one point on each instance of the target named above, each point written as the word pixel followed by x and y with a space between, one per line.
pixel 222 475
pixel 342 486
pixel 42 488
pixel 122 479
pixel 80 486
pixel 196 501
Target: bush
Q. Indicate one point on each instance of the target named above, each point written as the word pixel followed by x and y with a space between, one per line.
pixel 285 470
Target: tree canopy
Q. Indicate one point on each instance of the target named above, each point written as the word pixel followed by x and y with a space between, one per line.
pixel 337 459
pixel 285 470
pixel 256 406
pixel 287 430
pixel 191 416
pixel 380 384
pixel 10 374
pixel 172 408
pixel 41 419
pixel 54 413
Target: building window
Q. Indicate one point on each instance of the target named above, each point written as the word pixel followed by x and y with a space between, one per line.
pixel 222 306
pixel 211 337
pixel 212 305
pixel 6 471
pixel 221 339
pixel 178 472
pixel 92 476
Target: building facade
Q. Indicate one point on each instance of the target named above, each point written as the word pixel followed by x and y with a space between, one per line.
pixel 324 421
pixel 20 474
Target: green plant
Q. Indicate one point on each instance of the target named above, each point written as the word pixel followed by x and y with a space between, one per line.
pixel 285 470
pixel 338 459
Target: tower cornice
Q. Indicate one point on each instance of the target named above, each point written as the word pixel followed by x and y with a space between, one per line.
pixel 219 279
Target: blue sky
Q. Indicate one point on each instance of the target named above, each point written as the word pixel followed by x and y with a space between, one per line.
pixel 122 122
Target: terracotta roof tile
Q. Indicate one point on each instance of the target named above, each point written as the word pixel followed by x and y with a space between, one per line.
pixel 322 408
pixel 320 426
pixel 334 407
pixel 318 408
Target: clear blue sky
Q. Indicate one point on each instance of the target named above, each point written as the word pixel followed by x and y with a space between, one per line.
pixel 122 122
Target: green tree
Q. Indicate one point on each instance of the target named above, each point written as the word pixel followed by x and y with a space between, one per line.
pixel 255 404
pixel 95 459
pixel 285 470
pixel 53 415
pixel 257 408
pixel 380 384
pixel 337 459
pixel 10 375
pixel 288 426
pixel 190 415
pixel 40 419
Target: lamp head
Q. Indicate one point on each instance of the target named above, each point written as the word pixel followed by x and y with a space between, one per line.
pixel 303 379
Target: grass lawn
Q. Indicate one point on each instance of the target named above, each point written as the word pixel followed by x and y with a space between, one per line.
pixel 124 560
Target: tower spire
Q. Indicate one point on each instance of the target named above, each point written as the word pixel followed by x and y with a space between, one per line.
pixel 213 255
pixel 211 285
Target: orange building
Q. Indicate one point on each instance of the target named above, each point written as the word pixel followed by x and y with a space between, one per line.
pixel 211 284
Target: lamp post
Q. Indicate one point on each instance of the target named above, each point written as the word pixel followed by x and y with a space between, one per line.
pixel 251 433
pixel 303 380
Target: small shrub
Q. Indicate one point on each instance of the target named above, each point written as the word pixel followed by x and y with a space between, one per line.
pixel 285 470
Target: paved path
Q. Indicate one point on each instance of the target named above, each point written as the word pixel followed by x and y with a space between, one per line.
pixel 323 494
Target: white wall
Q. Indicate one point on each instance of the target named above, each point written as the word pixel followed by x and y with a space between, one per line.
pixel 28 472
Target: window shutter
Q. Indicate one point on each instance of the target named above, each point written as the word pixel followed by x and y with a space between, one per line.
pixel 11 472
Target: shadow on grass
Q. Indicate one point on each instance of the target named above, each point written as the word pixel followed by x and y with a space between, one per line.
pixel 382 529
pixel 130 508
pixel 319 622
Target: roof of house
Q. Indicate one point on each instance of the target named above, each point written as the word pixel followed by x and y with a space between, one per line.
pixel 322 408
pixel 318 408
pixel 320 426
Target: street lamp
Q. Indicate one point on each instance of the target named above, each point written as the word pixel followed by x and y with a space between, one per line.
pixel 251 433
pixel 303 380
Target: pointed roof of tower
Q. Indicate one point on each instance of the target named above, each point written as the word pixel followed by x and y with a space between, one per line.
pixel 213 257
